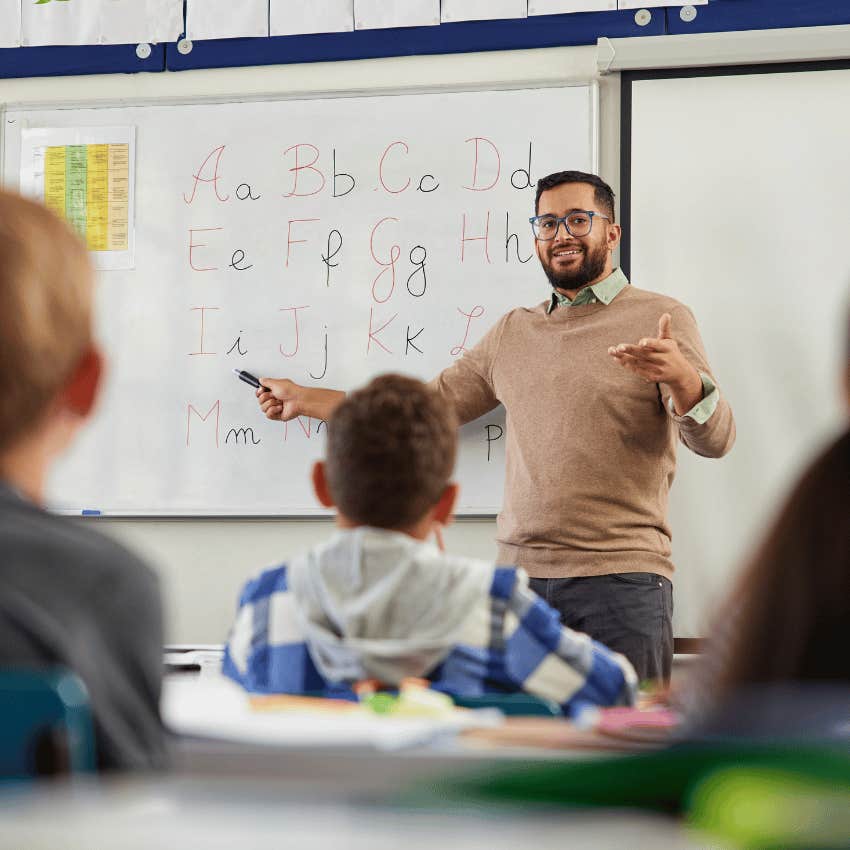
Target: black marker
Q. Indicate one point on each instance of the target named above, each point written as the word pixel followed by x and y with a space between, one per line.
pixel 249 379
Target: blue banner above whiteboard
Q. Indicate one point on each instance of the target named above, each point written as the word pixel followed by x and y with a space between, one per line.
pixel 270 32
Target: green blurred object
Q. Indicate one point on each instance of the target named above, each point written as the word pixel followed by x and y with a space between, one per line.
pixel 380 703
pixel 518 704
pixel 661 780
pixel 771 808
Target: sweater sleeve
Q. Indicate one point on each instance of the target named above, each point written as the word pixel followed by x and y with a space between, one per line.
pixel 467 385
pixel 713 436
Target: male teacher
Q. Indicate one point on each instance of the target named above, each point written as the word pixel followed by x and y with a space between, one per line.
pixel 592 425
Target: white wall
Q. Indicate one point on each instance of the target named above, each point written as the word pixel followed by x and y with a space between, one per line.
pixel 204 562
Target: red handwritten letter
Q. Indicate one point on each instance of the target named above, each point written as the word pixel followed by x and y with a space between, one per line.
pixel 475 187
pixel 475 313
pixel 193 245
pixel 191 409
pixel 199 178
pixel 381 168
pixel 304 166
pixel 295 318
pixel 373 334
pixel 485 238
pixel 395 253
pixel 201 347
pixel 289 240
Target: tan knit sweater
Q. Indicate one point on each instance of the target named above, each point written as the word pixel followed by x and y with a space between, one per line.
pixel 590 452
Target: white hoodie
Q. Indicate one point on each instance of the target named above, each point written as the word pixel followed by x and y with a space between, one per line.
pixel 379 604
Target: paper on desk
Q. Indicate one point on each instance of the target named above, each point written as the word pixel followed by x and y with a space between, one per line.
pixel 557 7
pixel 215 707
pixel 288 18
pixel 10 23
pixel 482 10
pixel 227 19
pixel 379 14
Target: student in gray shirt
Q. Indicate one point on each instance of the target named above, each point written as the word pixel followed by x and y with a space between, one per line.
pixel 68 596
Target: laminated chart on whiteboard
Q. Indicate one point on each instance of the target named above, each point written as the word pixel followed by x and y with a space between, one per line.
pixel 86 176
pixel 323 239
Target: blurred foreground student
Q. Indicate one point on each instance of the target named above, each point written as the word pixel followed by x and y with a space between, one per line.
pixel 377 601
pixel 67 595
pixel 779 663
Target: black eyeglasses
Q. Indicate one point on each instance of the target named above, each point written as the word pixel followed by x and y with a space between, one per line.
pixel 577 223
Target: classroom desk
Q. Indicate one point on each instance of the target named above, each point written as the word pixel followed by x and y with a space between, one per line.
pixel 179 812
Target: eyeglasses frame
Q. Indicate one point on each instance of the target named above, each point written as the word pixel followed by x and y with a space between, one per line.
pixel 559 220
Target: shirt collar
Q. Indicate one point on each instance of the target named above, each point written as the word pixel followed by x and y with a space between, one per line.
pixel 605 291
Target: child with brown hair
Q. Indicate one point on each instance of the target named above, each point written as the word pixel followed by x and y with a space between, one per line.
pixel 378 601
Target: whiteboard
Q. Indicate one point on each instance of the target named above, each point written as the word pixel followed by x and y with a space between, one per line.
pixel 287 238
pixel 739 191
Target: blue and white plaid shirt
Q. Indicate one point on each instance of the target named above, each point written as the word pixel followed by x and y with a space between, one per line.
pixel 511 641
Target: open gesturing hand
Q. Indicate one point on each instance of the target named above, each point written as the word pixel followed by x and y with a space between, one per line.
pixel 659 360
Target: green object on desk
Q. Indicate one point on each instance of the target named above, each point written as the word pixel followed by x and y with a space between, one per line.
pixel 380 703
pixel 758 808
pixel 660 780
pixel 512 705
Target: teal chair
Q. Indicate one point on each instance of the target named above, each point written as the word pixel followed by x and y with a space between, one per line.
pixel 45 724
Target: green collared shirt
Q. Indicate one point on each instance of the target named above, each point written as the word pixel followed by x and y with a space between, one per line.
pixel 604 292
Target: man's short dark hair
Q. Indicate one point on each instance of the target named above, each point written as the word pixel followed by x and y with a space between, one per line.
pixel 390 452
pixel 603 194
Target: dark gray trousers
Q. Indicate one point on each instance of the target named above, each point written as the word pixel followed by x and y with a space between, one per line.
pixel 631 613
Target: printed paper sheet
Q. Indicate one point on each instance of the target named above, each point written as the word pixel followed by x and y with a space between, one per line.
pixel 86 176
pixel 557 7
pixel 481 10
pixel 60 22
pixel 10 23
pixel 288 18
pixel 378 14
pixel 227 19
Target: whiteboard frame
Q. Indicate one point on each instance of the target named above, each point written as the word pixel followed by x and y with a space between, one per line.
pixel 316 513
pixel 629 77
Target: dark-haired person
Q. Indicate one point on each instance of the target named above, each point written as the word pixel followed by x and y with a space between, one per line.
pixel 377 601
pixel 593 422
pixel 69 596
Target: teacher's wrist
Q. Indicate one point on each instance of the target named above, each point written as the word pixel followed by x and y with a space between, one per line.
pixel 686 391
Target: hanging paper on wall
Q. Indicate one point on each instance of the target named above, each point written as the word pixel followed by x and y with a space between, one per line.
pixel 378 14
pixel 227 19
pixel 643 4
pixel 288 18
pixel 134 21
pixel 10 23
pixel 482 10
pixel 87 177
pixel 558 7
pixel 59 22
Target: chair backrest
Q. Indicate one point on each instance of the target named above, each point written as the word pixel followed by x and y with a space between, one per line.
pixel 45 724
